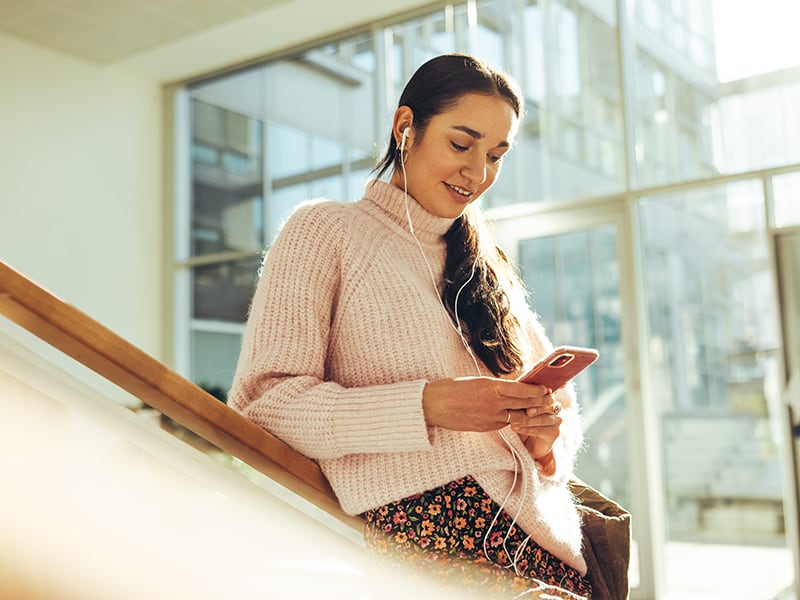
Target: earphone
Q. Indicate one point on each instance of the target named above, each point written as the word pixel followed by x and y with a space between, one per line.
pixel 457 324
pixel 518 464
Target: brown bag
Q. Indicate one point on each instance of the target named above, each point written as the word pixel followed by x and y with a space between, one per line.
pixel 606 541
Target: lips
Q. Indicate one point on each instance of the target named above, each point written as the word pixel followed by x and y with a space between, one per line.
pixel 464 193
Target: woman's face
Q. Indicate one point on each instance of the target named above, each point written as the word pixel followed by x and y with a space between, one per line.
pixel 460 154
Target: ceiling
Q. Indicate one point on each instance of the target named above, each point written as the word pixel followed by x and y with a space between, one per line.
pixel 107 31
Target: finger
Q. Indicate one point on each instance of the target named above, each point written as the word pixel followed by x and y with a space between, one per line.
pixel 514 390
pixel 536 406
pixel 519 418
pixel 537 436
pixel 541 426
pixel 513 416
pixel 540 420
pixel 555 408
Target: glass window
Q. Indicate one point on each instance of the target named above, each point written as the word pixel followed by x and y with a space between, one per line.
pixel 724 106
pixel 714 348
pixel 672 122
pixel 222 290
pixel 769 28
pixel 582 122
pixel 786 189
pixel 420 39
pixel 257 152
pixel 492 30
pixel 290 150
pixel 757 126
pixel 570 142
pixel 227 181
pixel 214 355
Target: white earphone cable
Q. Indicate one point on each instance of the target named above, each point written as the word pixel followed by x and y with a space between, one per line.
pixel 518 464
pixel 457 324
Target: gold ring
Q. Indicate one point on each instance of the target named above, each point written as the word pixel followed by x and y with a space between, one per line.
pixel 556 408
pixel 508 417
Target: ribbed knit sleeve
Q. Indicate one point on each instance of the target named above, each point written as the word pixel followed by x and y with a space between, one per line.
pixel 280 382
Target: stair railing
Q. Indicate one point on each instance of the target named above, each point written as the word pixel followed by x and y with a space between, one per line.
pixel 76 334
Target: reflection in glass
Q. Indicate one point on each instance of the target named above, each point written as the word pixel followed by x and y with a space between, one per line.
pixel 571 141
pixel 222 291
pixel 673 123
pixel 214 355
pixel 227 200
pixel 706 103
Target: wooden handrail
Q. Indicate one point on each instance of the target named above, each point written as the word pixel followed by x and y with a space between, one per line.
pixel 76 334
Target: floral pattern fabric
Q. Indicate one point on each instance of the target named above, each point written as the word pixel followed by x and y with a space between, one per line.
pixel 459 536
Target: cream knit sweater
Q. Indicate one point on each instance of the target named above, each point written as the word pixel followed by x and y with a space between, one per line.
pixel 344 331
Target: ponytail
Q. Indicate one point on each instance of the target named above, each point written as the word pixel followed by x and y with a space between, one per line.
pixel 485 302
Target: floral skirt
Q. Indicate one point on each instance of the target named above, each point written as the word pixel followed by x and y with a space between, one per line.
pixel 459 536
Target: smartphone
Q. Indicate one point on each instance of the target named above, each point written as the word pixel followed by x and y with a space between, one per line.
pixel 561 365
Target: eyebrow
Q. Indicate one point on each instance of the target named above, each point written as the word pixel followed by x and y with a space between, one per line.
pixel 478 135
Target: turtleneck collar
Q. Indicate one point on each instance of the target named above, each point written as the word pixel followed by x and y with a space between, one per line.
pixel 427 227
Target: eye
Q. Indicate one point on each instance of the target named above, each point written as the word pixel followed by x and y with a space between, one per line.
pixel 459 147
pixel 494 159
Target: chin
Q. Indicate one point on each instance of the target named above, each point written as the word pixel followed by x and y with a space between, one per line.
pixel 450 212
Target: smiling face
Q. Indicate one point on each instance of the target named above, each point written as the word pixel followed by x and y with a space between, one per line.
pixel 459 154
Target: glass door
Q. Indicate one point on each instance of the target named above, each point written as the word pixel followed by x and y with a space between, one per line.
pixel 574 283
pixel 577 268
pixel 713 362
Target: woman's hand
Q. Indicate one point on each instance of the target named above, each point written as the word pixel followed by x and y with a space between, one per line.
pixel 540 431
pixel 488 404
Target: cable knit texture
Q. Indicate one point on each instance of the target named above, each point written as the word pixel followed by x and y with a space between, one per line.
pixel 344 331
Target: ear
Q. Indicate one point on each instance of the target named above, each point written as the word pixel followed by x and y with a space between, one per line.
pixel 402 123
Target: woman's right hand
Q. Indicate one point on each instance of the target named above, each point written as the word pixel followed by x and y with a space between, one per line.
pixel 485 403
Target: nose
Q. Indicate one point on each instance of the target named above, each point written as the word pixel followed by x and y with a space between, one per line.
pixel 474 168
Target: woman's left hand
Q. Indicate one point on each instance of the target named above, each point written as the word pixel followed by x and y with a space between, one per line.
pixel 540 430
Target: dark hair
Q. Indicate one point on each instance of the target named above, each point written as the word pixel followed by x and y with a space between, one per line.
pixel 484 309
pixel 439 84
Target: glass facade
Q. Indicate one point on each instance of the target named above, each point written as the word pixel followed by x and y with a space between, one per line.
pixel 714 347
pixel 657 165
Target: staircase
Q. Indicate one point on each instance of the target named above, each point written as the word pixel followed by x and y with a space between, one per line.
pixel 720 483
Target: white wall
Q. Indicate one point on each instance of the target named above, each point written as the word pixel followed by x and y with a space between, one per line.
pixel 80 186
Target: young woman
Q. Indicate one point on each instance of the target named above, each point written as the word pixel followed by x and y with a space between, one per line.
pixel 384 339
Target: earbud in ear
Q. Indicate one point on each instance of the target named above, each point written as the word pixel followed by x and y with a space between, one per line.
pixel 403 140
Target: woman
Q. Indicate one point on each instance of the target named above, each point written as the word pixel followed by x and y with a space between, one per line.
pixel 383 341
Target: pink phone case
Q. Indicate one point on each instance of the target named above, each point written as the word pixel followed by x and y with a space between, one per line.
pixel 561 365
